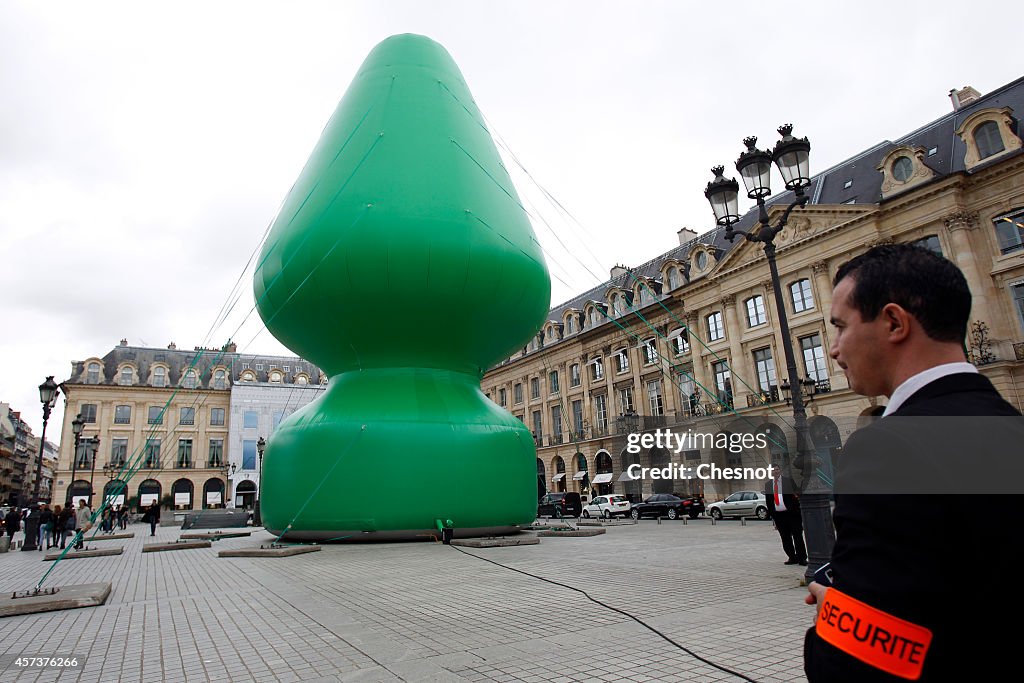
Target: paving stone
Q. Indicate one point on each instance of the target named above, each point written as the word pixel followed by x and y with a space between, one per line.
pixel 502 542
pixel 174 545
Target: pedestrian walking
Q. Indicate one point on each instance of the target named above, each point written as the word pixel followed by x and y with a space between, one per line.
pixel 152 516
pixel 83 522
pixel 45 526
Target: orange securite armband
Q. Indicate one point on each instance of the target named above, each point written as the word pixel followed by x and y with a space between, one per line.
pixel 889 643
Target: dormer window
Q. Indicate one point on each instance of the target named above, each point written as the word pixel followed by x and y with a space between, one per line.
pixel 93 374
pixel 220 380
pixel 672 277
pixel 570 325
pixel 275 376
pixel 988 139
pixel 701 260
pixel 902 168
pixel 190 380
pixel 248 376
pixel 126 377
pixel 159 377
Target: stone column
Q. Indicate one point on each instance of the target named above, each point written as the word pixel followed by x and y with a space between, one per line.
pixel 959 226
pixel 738 367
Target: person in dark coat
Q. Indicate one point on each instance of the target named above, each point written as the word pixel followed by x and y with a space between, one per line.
pixel 917 591
pixel 12 522
pixel 784 509
pixel 152 516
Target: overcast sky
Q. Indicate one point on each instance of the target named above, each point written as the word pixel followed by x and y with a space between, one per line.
pixel 145 147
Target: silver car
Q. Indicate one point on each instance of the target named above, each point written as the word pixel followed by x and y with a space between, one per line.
pixel 741 504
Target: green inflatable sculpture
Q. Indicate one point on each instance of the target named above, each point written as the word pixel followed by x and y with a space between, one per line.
pixel 403 264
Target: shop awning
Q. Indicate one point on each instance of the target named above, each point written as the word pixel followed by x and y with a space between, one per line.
pixel 625 477
pixel 579 475
pixel 602 478
pixel 558 477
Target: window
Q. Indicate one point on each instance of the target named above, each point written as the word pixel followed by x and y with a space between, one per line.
pixel 118 452
pixel 902 169
pixel 625 400
pixel 248 454
pixel 701 260
pixel 556 423
pixel 88 412
pixel 593 316
pixel 216 417
pixel 716 330
pixel 616 306
pixel 933 151
pixel 764 365
pixel 1018 299
pixel 502 399
pixel 125 380
pixel 93 375
pixel 251 419
pixel 686 389
pixel 248 376
pixel 601 412
pixel 190 380
pixel 574 375
pixel 286 368
pixel 596 370
pixel 848 184
pixel 673 277
pixel 570 325
pixel 151 454
pixel 553 381
pixel 122 415
pixel 220 380
pixel 577 418
pixel 301 379
pixel 84 456
pixel 814 357
pixel 156 415
pixel 186 415
pixel 275 420
pixel 517 393
pixel 259 366
pixel 650 352
pixel 159 377
pixel 275 376
pixel 184 453
pixel 538 426
pixel 654 397
pixel 622 361
pixel 802 298
pixel 987 137
pixel 535 387
pixel 755 311
pixel 681 341
pixel 1010 231
pixel 723 383
pixel 929 242
pixel 216 453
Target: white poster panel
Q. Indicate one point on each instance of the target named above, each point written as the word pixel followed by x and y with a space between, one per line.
pixel 147 499
pixel 213 497
pixel 114 501
pixel 182 499
pixel 75 499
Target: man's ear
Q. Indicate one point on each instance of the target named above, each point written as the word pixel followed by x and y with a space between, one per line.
pixel 897 322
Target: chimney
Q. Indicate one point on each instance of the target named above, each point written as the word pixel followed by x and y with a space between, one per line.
pixel 231 347
pixel 685 235
pixel 964 96
pixel 172 346
pixel 618 270
pixel 124 342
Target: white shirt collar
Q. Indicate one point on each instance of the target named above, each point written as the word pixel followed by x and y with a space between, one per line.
pixel 912 384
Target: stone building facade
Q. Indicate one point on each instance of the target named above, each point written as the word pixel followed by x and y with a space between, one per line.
pixel 690 340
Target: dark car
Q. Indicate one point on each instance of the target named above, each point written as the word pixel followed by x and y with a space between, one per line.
pixel 668 505
pixel 559 505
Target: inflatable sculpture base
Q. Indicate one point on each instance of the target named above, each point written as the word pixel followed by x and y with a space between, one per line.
pixel 403 264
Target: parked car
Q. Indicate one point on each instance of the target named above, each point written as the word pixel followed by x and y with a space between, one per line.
pixel 741 504
pixel 559 505
pixel 668 505
pixel 613 505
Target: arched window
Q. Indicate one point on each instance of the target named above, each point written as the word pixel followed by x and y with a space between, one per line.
pixel 672 276
pixel 93 374
pixel 190 380
pixel 301 379
pixel 182 491
pixel 988 139
pixel 149 492
pixel 125 380
pixel 248 376
pixel 159 376
pixel 220 380
pixel 570 324
pixel 275 376
pixel 213 493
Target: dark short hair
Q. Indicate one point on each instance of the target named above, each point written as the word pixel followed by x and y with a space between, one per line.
pixel 926 285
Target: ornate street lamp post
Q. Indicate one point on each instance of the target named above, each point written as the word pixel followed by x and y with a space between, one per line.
pixel 47 396
pixel 228 471
pixel 76 428
pixel 257 518
pixel 791 156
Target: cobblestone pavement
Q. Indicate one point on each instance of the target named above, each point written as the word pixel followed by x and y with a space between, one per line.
pixel 426 611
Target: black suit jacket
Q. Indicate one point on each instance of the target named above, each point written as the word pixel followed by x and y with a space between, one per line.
pixel 927 559
pixel 789 498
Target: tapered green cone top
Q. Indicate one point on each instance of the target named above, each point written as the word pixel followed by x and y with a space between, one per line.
pixel 403 242
pixel 403 264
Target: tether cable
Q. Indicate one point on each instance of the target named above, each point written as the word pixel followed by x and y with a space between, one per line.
pixel 614 609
